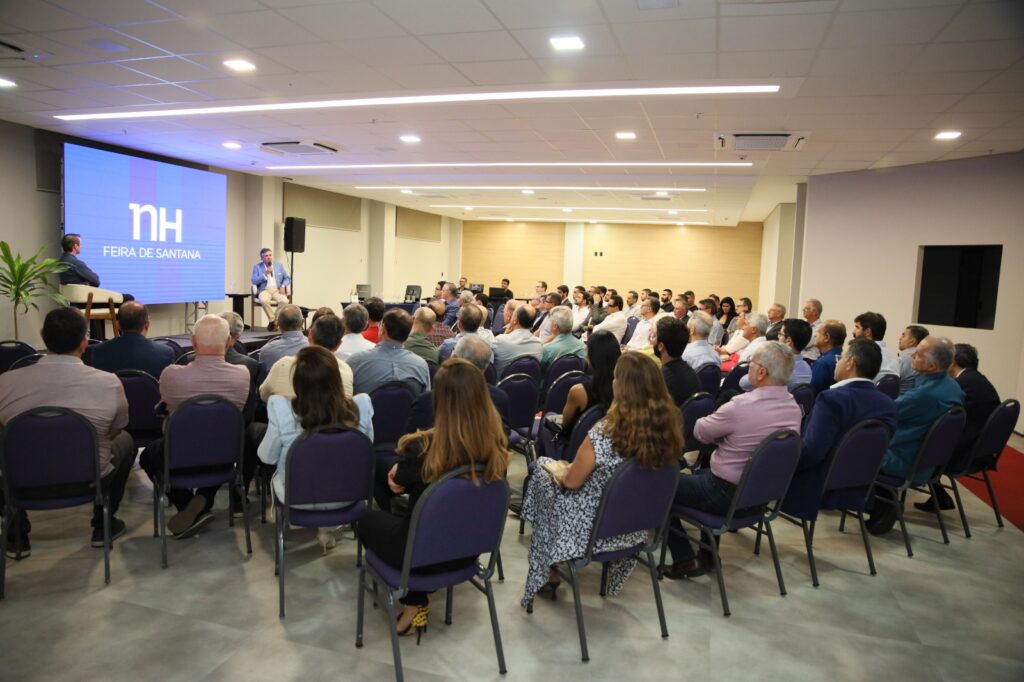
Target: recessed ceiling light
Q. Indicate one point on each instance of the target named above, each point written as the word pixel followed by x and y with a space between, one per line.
pixel 593 222
pixel 566 210
pixel 406 191
pixel 508 220
pixel 231 145
pixel 527 191
pixel 530 190
pixel 673 212
pixel 526 164
pixel 661 193
pixel 453 98
pixel 947 135
pixel 625 135
pixel 467 208
pixel 564 43
pixel 4 83
pixel 410 139
pixel 569 209
pixel 240 65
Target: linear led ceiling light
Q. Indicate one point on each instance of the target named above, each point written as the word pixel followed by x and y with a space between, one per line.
pixel 536 188
pixel 947 135
pixel 525 164
pixel 452 98
pixel 240 65
pixel 617 221
pixel 568 209
pixel 4 83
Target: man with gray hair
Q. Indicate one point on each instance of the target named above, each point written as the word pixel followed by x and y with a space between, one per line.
pixel 422 322
pixel 235 327
pixel 354 318
pixel 564 342
pixel 736 428
pixel 468 322
pixel 753 330
pixel 289 321
pixel 776 315
pixel 698 351
pixel 449 295
pixel 517 341
pixel 812 313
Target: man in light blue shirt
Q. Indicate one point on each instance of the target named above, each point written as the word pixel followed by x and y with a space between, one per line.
pixel 389 361
pixel 271 282
pixel 698 351
pixel 796 334
pixel 289 320
pixel 469 319
pixel 450 297
pixel 517 341
pixel 564 343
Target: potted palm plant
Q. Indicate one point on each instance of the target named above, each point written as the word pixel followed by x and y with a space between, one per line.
pixel 22 279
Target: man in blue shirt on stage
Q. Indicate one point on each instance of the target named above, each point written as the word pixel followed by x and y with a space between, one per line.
pixel 271 281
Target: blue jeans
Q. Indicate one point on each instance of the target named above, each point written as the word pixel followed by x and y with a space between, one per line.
pixel 704 491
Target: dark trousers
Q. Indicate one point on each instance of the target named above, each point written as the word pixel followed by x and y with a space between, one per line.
pixel 382 494
pixel 385 534
pixel 152 462
pixel 122 451
pixel 706 492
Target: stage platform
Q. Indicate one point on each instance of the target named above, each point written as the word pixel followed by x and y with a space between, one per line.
pixel 250 339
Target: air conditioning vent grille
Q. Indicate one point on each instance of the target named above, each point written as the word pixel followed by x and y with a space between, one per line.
pixel 761 141
pixel 298 148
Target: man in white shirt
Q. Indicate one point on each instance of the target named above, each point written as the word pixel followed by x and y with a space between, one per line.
pixel 615 320
pixel 698 351
pixel 754 329
pixel 632 308
pixel 649 310
pixel 354 318
pixel 872 326
pixel 517 341
pixel 812 313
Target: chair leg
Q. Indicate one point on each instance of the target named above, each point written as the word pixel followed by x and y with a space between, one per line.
pixel 449 593
pixel 574 579
pixel 775 556
pixel 757 539
pixel 657 594
pixel 360 606
pixel 604 579
pixel 501 570
pixel 867 543
pixel 713 548
pixel 938 513
pixel 810 552
pixel 396 651
pixel 842 521
pixel 263 496
pixel 959 506
pixel 163 534
pixel 494 627
pixel 280 562
pixel 106 540
pixel 903 523
pixel 3 555
pixel 156 503
pixel 245 516
pixel 992 496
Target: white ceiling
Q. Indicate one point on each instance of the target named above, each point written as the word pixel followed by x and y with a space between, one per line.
pixel 868 81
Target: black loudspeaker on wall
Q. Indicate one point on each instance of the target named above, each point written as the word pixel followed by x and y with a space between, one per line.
pixel 295 235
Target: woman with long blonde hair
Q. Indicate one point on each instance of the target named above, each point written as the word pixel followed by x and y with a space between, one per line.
pixel 467 431
pixel 642 423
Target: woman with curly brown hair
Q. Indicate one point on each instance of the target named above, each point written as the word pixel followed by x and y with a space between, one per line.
pixel 643 424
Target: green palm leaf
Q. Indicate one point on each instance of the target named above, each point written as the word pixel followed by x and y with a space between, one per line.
pixel 22 279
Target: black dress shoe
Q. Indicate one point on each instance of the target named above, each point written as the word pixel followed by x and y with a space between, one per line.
pixel 684 569
pixel 945 504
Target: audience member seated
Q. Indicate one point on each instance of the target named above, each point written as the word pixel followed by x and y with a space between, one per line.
pixel 679 310
pixel 544 330
pixel 563 342
pixel 830 337
pixel 375 311
pixel 934 394
pixel 872 326
pixel 727 313
pixel 388 361
pixel 911 337
pixel 776 315
pixel 851 400
pixel 467 431
pixel 132 350
pixel 474 349
pixel 632 308
pixel 422 322
pixel 795 334
pixel 699 351
pixel 666 301
pixel 440 332
pixel 980 401
pixel 208 373
pixel 326 332
pixel 717 333
pixel 812 313
pixel 60 379
pixel 355 319
pixel 516 341
pixel 743 309
pixel 449 296
pixel 615 320
pixel 317 399
pixel 468 322
pixel 235 328
pixel 644 329
pixel 580 311
pixel 670 342
pixel 642 424
pixel 736 428
pixel 289 322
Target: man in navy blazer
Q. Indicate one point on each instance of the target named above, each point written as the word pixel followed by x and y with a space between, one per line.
pixel 852 399
pixel 271 281
pixel 132 350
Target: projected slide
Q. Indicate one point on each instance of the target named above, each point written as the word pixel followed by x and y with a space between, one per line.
pixel 151 229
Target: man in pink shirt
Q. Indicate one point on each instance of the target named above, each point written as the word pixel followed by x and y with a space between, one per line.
pixel 736 428
pixel 208 373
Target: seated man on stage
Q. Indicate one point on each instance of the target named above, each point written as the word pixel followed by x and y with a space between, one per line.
pixel 78 281
pixel 271 281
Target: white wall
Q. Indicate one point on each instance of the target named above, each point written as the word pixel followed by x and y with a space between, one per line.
pixel 862 236
pixel 777 258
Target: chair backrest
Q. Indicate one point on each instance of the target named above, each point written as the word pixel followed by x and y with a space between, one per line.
pixel 522 393
pixel 630 328
pixel 561 365
pixel 525 365
pixel 804 396
pixel 330 464
pixel 207 430
pixel 498 326
pixel 769 471
pixel 49 446
pixel 558 392
pixel 25 361
pixel 940 442
pixel 582 427
pixel 456 518
pixel 710 377
pixel 432 369
pixel 170 343
pixel 997 430
pixel 186 357
pixel 889 385
pixel 392 404
pixel 732 380
pixel 634 499
pixel 695 407
pixel 856 459
pixel 491 375
pixel 143 393
pixel 11 351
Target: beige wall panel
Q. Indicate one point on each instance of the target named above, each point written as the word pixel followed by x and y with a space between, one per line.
pixel 322 208
pixel 522 252
pixel 706 259
pixel 413 224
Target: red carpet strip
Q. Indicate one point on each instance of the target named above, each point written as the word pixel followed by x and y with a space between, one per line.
pixel 1008 483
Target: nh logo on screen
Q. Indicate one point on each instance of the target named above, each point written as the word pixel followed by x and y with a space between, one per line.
pixel 158 228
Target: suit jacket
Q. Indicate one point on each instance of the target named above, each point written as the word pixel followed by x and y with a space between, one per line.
pixel 78 272
pixel 835 412
pixel 131 351
pixel 280 276
pixel 422 415
pixel 773 331
pixel 918 409
pixel 537 322
pixel 981 400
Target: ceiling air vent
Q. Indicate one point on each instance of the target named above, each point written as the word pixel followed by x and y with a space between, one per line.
pixel 298 148
pixel 760 141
